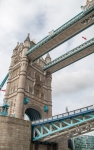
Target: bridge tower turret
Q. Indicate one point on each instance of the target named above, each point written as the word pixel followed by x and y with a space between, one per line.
pixel 29 87
pixel 48 58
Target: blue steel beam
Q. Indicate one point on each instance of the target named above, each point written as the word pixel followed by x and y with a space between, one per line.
pixel 59 123
pixel 63 33
pixel 70 57
pixel 3 82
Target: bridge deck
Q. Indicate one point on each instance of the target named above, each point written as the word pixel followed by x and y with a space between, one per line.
pixel 70 57
pixel 62 34
pixel 76 122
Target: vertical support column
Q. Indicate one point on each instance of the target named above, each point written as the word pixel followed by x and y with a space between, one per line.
pixel 49 93
pixel 62 144
pixel 21 88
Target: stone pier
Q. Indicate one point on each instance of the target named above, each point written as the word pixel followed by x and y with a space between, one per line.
pixel 15 134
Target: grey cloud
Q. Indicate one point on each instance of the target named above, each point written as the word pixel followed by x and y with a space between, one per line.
pixel 73 82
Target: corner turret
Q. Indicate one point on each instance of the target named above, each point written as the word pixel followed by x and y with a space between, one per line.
pixel 48 58
pixel 89 3
pixel 27 41
pixel 16 48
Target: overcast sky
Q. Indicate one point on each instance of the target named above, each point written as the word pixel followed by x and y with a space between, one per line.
pixel 72 86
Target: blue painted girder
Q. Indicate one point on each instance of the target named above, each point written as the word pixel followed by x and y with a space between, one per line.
pixel 46 128
pixel 3 82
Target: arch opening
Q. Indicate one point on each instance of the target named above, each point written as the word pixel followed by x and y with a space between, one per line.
pixel 33 114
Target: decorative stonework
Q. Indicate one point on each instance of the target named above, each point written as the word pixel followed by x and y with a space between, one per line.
pixel 27 79
pixel 89 3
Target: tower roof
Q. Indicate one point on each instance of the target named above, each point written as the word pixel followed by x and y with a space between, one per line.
pixel 16 48
pixel 48 56
pixel 28 38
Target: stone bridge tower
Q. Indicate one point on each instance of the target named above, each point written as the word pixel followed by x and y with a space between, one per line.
pixel 29 87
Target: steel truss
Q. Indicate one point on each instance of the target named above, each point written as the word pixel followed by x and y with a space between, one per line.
pixel 69 126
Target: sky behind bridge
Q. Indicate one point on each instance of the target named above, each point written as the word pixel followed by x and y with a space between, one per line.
pixel 72 86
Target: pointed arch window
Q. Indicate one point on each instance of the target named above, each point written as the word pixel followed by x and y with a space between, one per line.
pixel 36 92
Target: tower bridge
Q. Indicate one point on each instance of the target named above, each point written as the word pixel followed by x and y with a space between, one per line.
pixel 29 89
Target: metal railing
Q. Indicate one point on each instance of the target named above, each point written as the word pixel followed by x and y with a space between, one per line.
pixel 68 114
pixel 77 49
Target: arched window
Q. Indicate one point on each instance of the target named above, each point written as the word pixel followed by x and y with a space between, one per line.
pixel 30 89
pixel 42 96
pixel 36 92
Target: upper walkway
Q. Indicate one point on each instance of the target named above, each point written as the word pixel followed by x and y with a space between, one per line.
pixel 70 57
pixel 74 26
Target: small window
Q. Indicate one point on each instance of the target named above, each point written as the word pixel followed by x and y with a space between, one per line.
pixel 36 92
pixel 30 89
pixel 14 105
pixel 12 90
pixel 42 96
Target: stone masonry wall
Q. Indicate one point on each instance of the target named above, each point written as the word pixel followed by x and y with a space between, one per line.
pixel 15 134
pixel 62 144
pixel 37 146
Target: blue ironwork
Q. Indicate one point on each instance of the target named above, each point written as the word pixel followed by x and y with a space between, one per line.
pixel 5 107
pixel 26 100
pixel 45 108
pixel 70 53
pixel 61 29
pixel 3 82
pixel 61 122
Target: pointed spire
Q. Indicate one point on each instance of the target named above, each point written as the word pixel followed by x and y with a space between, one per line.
pixel 27 41
pixel 28 38
pixel 48 58
pixel 16 48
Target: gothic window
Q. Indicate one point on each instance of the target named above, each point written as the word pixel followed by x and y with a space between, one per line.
pixel 11 90
pixel 29 74
pixel 30 89
pixel 11 104
pixel 42 96
pixel 37 77
pixel 14 105
pixel 15 88
pixel 37 92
